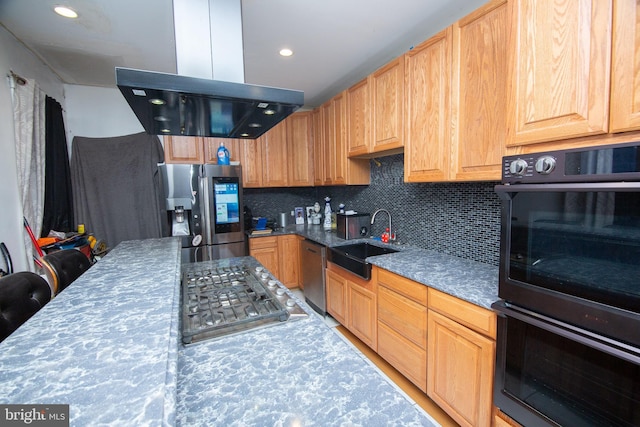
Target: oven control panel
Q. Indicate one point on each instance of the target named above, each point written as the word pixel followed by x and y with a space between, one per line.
pixel 528 168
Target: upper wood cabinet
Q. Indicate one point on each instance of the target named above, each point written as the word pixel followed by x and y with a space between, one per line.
pixel 211 146
pixel 427 107
pixel 300 149
pixel 337 168
pixel 183 149
pixel 251 151
pixel 625 79
pixel 359 118
pixel 199 150
pixel 274 155
pixel 479 85
pixel 387 99
pixel 560 70
pixel 317 126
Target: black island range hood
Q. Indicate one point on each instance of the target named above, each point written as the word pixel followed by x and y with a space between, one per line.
pixel 208 97
pixel 171 104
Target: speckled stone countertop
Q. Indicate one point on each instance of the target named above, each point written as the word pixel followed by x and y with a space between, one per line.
pixel 297 373
pixel 107 344
pixel 470 281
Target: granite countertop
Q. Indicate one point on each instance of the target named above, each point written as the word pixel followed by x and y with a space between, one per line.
pixel 471 281
pixel 296 373
pixel 107 344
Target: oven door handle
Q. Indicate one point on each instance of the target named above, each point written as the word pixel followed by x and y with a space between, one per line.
pixel 599 342
pixel 563 187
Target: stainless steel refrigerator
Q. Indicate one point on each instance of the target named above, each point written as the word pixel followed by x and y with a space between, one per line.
pixel 204 207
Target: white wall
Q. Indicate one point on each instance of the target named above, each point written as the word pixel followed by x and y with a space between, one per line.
pixel 15 57
pixel 98 112
pixel 88 111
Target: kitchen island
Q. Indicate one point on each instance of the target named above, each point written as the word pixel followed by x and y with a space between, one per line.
pixel 109 346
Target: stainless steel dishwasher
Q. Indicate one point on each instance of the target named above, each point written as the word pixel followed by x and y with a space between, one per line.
pixel 314 261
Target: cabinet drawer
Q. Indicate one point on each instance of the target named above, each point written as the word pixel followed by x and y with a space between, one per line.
pixel 408 288
pixel 403 355
pixel 263 242
pixel 477 318
pixel 406 317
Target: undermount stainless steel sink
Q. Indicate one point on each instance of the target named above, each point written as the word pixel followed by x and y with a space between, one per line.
pixel 352 257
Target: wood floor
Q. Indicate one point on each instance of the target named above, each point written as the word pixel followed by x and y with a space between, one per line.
pixel 414 392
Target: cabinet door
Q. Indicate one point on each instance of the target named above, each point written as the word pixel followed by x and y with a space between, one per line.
pixel 289 256
pixel 183 149
pixel 460 367
pixel 362 314
pixel 625 79
pixel 428 70
pixel 561 70
pixel 274 154
pixel 387 85
pixel 358 118
pixel 211 146
pixel 318 146
pixel 479 93
pixel 299 149
pixel 251 163
pixel 336 288
pixel 339 158
pixel 328 142
pixel 265 250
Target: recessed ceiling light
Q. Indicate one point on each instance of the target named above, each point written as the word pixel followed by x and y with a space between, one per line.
pixel 269 112
pixel 244 135
pixel 286 52
pixel 156 101
pixel 65 11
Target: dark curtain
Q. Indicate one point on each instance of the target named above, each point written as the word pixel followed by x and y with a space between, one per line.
pixel 116 186
pixel 58 195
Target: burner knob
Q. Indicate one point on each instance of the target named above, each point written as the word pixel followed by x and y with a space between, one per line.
pixel 518 167
pixel 271 283
pixel 291 303
pixel 545 165
pixel 279 291
pixel 259 269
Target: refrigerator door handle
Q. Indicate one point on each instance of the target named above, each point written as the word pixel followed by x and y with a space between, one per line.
pixel 205 207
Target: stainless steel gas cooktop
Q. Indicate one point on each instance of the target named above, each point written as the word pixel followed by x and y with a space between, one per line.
pixel 219 301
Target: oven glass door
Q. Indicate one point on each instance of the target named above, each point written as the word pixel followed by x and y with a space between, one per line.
pixel 547 375
pixel 582 241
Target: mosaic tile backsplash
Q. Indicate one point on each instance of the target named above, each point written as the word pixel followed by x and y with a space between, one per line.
pixel 460 219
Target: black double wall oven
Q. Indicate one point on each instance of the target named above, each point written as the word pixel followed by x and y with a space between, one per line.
pixel 568 348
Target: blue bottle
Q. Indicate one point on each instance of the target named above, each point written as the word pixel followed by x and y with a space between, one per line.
pixel 223 155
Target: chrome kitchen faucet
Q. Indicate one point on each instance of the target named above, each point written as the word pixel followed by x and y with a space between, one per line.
pixel 373 217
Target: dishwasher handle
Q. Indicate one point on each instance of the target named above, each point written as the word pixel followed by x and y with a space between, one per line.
pixel 312 250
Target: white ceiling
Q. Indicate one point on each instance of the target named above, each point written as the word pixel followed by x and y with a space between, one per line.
pixel 336 42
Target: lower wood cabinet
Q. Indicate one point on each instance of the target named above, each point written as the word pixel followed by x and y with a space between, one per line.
pixel 351 300
pixel 279 255
pixel 289 260
pixel 460 360
pixel 442 344
pixel 265 250
pixel 402 325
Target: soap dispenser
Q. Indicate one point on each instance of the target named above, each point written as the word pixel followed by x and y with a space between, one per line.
pixel 327 213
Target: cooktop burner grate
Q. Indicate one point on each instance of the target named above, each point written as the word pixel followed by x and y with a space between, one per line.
pixel 224 300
